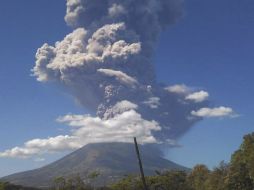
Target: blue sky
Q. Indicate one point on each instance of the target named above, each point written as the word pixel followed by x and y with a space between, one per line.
pixel 210 48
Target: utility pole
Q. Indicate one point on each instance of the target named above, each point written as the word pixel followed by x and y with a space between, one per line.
pixel 140 165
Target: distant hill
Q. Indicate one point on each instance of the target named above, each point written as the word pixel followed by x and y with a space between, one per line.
pixel 112 160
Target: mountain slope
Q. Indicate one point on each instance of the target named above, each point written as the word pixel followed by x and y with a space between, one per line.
pixel 112 160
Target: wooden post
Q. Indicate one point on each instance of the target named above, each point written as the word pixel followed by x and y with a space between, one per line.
pixel 140 165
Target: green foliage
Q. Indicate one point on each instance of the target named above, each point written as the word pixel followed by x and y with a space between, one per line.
pixel 170 180
pixel 59 183
pixel 8 186
pixel 199 177
pixel 245 155
pixel 217 178
pixel 241 173
pixel 239 178
pixel 94 175
pixel 128 183
pixel 2 186
pixel 74 183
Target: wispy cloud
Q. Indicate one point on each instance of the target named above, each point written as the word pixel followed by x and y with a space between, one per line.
pixel 120 76
pixel 153 102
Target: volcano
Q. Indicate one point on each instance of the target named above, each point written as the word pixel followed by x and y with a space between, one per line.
pixel 112 161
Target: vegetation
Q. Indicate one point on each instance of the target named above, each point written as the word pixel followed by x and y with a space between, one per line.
pixel 75 183
pixel 8 186
pixel 238 174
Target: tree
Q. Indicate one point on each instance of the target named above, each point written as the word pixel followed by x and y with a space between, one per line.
pixel 59 183
pixel 69 184
pixel 217 177
pixel 239 178
pixel 245 155
pixel 72 183
pixel 93 176
pixel 170 180
pixel 2 186
pixel 198 177
pixel 128 183
pixel 174 180
pixel 78 183
pixel 8 186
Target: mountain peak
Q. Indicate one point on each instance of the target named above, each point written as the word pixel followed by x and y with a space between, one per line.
pixel 112 161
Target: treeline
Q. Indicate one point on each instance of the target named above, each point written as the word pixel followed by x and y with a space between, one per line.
pixel 238 174
pixel 8 186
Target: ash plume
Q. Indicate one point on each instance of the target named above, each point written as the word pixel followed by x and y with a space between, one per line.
pixel 106 64
pixel 107 59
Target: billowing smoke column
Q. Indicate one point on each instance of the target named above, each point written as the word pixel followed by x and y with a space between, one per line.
pixel 107 60
pixel 106 65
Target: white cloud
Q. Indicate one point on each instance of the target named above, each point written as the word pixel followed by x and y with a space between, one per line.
pixel 41 146
pixel 198 96
pixel 116 10
pixel 119 108
pixel 86 129
pixel 124 105
pixel 178 89
pixel 214 112
pixel 153 102
pixel 119 75
pixel 121 128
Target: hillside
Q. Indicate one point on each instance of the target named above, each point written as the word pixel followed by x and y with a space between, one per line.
pixel 112 160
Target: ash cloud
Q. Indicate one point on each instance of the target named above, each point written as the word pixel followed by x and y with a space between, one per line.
pixel 107 59
pixel 106 63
